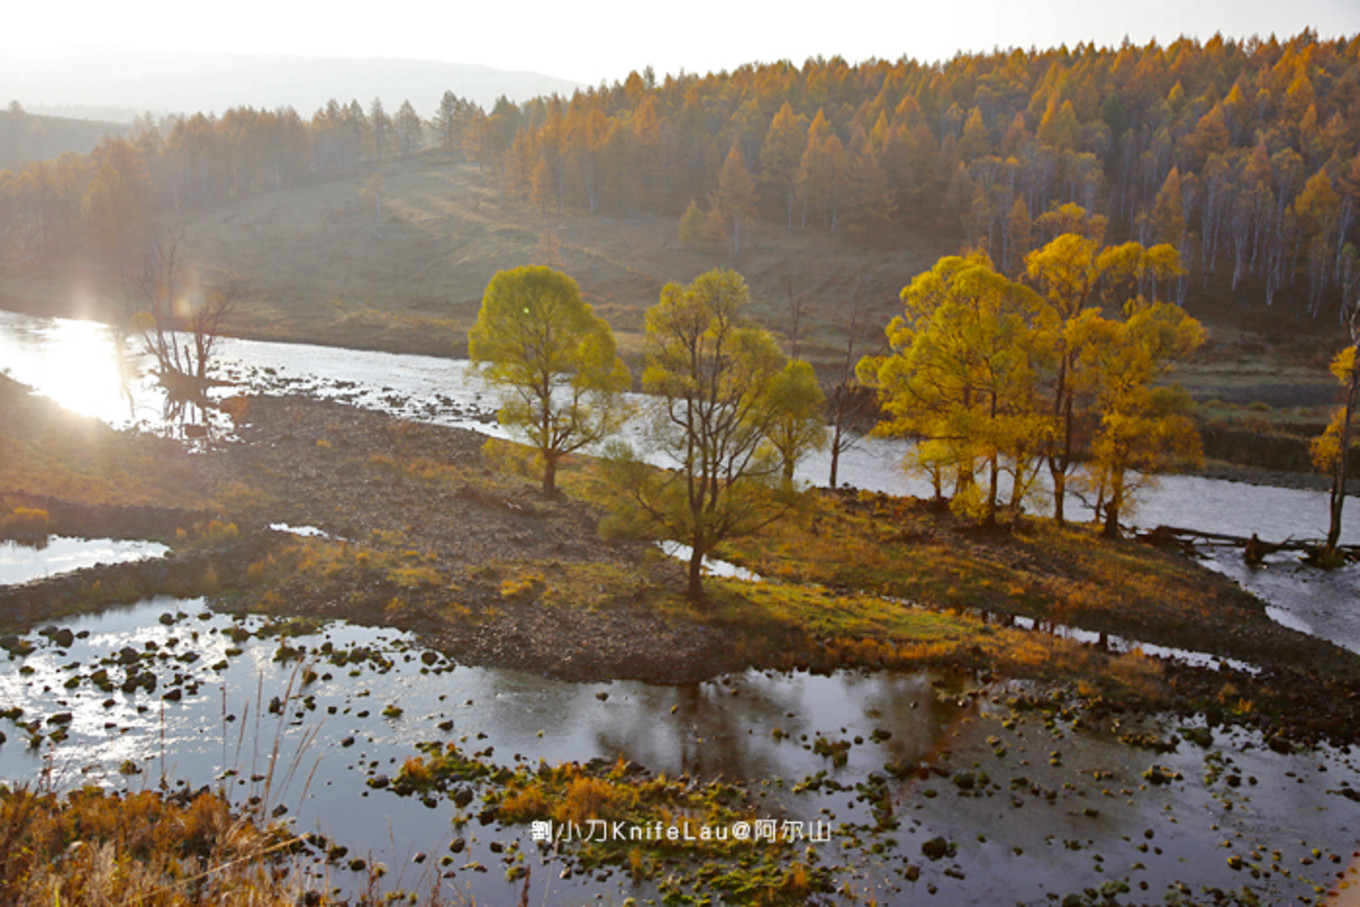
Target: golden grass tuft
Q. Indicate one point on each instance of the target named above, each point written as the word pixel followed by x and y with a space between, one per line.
pixel 96 848
pixel 25 523
pixel 593 798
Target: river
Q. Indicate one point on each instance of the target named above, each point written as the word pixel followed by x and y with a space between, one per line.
pixel 1060 809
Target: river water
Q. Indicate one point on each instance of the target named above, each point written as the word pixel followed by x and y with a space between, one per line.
pixel 58 554
pixel 73 362
pixel 1102 823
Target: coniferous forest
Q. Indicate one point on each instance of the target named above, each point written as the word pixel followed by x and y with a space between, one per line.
pixel 1241 154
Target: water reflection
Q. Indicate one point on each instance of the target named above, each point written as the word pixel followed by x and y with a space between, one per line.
pixel 76 363
pixel 58 554
pixel 722 728
pixel 335 736
pixel 1321 603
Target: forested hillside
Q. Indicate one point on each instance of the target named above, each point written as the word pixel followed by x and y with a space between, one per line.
pixel 1241 154
pixel 29 137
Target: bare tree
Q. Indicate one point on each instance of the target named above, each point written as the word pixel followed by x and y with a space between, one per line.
pixel 847 402
pixel 180 323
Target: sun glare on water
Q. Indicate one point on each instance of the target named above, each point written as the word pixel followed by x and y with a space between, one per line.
pixel 75 364
pixel 86 380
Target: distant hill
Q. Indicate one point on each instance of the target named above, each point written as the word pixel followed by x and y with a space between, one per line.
pixel 162 83
pixel 312 265
pixel 26 137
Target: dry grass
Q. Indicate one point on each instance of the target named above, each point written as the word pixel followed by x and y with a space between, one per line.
pixel 739 871
pixel 321 560
pixel 789 625
pixel 903 548
pixel 45 450
pixel 95 848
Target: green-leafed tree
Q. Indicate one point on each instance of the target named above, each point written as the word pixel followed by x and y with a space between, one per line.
pixel 797 427
pixel 554 360
pixel 715 379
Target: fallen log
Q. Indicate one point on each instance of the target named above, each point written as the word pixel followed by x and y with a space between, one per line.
pixel 1253 548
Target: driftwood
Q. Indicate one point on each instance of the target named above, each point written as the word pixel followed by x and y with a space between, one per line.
pixel 1253 548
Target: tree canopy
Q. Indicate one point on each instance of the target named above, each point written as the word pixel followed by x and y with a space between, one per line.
pixel 719 383
pixel 554 360
pixel 962 374
pixel 1075 276
pixel 1240 154
pixel 987 373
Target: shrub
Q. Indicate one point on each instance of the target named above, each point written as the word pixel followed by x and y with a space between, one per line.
pixel 25 524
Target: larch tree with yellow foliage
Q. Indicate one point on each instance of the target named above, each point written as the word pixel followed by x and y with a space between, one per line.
pixel 1145 427
pixel 961 378
pixel 1331 449
pixel 782 152
pixel 736 195
pixel 554 360
pixel 1075 275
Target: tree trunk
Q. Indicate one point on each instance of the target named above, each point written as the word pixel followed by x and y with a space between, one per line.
pixel 993 489
pixel 1059 494
pixel 549 476
pixel 1342 467
pixel 695 591
pixel 1111 530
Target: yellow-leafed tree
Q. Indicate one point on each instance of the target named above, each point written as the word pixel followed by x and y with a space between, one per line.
pixel 962 375
pixel 1331 449
pixel 1075 275
pixel 715 378
pixel 1145 427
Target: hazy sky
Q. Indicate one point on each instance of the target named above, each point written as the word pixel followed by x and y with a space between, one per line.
pixel 590 40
